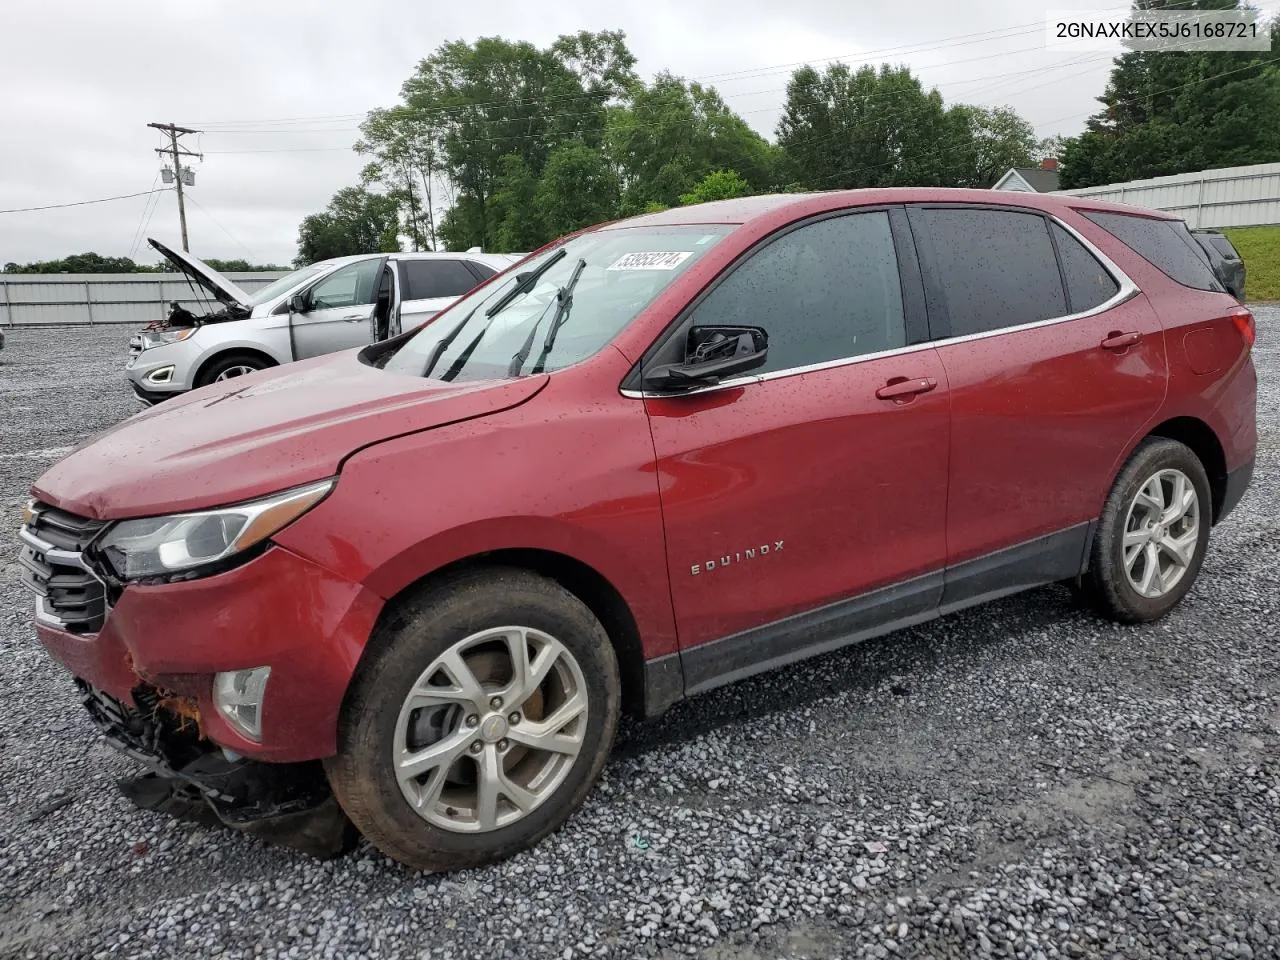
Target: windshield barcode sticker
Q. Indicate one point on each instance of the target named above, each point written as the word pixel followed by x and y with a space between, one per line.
pixel 661 260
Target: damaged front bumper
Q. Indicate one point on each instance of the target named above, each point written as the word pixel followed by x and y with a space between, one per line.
pixel 190 778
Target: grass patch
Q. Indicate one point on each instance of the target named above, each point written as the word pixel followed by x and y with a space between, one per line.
pixel 1260 247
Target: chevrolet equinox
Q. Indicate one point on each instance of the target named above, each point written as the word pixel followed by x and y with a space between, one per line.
pixel 408 590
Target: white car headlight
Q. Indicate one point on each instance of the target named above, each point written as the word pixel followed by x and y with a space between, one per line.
pixel 160 546
pixel 158 338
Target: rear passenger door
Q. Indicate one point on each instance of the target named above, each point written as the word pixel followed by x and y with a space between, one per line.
pixel 791 494
pixel 1055 362
pixel 431 284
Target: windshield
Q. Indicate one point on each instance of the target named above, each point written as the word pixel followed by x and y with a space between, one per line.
pixel 289 280
pixel 597 284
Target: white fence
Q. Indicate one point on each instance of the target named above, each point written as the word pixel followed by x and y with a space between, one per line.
pixel 37 299
pixel 1227 197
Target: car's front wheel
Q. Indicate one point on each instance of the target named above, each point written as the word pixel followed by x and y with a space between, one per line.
pixel 478 722
pixel 1152 536
pixel 230 366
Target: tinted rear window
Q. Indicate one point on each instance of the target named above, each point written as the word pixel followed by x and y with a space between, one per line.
pixel 428 279
pixel 997 269
pixel 1088 283
pixel 1224 247
pixel 1166 243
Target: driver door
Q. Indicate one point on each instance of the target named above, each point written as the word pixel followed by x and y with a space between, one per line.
pixel 339 311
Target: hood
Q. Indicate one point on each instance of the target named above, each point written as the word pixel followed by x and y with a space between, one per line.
pixel 257 435
pixel 226 292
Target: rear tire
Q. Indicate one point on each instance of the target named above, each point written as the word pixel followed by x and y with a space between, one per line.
pixel 229 366
pixel 1152 535
pixel 438 762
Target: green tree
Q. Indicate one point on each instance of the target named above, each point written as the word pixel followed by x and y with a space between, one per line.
pixel 496 98
pixel 240 266
pixel 868 128
pixel 355 221
pixel 987 142
pixel 673 134
pixel 80 263
pixel 1168 112
pixel 717 185
pixel 406 152
pixel 577 189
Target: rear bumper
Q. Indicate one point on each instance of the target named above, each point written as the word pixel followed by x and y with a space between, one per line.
pixel 1237 482
pixel 279 610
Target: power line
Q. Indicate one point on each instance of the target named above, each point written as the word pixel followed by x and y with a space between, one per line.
pixel 80 203
pixel 234 239
pixel 133 245
pixel 658 123
pixel 965 39
pixel 1156 93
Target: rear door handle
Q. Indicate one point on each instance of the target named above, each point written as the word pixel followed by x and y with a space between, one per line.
pixel 1118 341
pixel 901 388
pixel 355 318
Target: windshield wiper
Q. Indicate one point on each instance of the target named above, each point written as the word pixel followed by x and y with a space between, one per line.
pixel 447 339
pixel 562 315
pixel 563 301
pixel 525 282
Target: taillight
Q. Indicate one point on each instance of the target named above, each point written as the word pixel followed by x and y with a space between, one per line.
pixel 1242 319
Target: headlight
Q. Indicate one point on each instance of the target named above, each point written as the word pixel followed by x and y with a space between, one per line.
pixel 160 338
pixel 158 546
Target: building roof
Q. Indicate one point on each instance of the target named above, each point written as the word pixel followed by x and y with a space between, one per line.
pixel 1036 179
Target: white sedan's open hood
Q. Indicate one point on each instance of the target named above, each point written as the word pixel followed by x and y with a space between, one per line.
pixel 226 292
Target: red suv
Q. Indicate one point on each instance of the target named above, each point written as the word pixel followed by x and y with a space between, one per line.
pixel 412 587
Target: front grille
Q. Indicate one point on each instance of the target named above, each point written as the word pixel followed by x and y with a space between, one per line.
pixel 68 594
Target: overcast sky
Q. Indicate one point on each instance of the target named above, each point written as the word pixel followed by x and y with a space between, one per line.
pixel 82 78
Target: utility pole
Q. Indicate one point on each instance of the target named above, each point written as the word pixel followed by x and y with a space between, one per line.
pixel 174 151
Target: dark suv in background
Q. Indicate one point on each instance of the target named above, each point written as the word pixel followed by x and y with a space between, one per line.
pixel 1227 264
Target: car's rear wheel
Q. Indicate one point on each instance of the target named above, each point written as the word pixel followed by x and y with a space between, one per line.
pixel 480 719
pixel 1152 535
pixel 231 366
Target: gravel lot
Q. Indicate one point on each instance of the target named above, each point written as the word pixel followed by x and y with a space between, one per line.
pixel 1017 780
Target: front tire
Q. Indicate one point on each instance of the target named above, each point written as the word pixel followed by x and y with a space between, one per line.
pixel 1152 535
pixel 230 366
pixel 481 717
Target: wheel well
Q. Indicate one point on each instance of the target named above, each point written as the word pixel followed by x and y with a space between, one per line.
pixel 600 596
pixel 1199 436
pixel 267 360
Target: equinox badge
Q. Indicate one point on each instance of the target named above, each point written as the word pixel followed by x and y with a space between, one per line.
pixel 750 554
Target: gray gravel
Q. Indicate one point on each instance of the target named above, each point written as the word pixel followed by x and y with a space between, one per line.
pixel 1018 780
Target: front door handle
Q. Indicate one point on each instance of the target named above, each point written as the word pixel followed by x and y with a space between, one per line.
pixel 355 318
pixel 900 388
pixel 1118 341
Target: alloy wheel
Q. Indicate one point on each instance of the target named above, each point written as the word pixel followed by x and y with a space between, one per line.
pixel 1161 533
pixel 238 370
pixel 490 729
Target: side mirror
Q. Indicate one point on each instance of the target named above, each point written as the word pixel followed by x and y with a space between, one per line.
pixel 297 303
pixel 711 354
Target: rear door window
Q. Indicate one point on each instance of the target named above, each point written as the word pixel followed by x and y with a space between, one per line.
pixel 1088 282
pixel 995 268
pixel 1165 243
pixel 431 279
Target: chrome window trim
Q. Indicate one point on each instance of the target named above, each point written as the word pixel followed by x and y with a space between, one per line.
pixel 1127 291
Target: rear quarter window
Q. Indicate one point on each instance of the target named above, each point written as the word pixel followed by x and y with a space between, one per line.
pixel 1167 244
